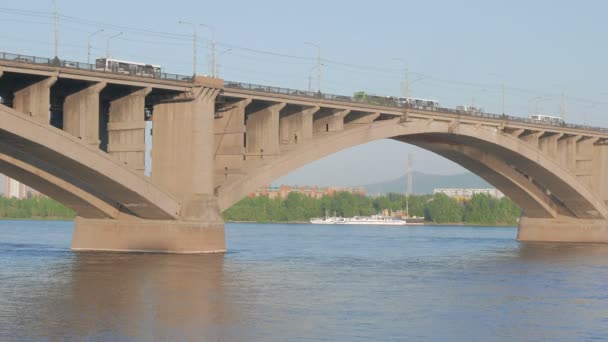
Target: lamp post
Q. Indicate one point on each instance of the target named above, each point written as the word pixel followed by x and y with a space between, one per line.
pixel 89 44
pixel 213 68
pixel 108 44
pixel 218 60
pixel 318 47
pixel 194 44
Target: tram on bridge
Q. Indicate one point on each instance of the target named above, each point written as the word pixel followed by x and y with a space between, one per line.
pixel 128 68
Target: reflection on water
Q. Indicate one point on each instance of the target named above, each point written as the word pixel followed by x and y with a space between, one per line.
pixel 300 282
pixel 150 296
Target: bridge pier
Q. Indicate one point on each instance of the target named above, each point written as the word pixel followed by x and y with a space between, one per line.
pixel 183 165
pixel 562 229
pixel 35 99
pixel 148 236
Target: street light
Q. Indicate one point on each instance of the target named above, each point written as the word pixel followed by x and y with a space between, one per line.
pixel 211 28
pixel 502 84
pixel 318 47
pixel 194 41
pixel 310 77
pixel 108 44
pixel 218 60
pixel 89 44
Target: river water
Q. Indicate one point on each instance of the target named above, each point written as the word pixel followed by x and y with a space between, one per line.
pixel 304 283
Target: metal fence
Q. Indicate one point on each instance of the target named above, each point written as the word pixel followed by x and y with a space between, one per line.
pixel 81 66
pixel 391 102
pixel 386 102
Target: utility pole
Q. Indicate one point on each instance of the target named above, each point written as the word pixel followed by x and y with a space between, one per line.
pixel 213 67
pixel 502 86
pixel 194 45
pixel 503 97
pixel 108 44
pixel 318 47
pixel 562 107
pixel 89 45
pixel 218 60
pixel 56 15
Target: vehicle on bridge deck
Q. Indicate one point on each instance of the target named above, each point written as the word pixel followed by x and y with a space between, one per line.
pixel 418 103
pixel 380 100
pixel 472 110
pixel 129 68
pixel 547 119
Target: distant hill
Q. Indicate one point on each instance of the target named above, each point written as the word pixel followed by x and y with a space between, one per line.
pixel 423 183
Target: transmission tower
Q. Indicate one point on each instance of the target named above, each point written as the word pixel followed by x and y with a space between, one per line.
pixel 408 192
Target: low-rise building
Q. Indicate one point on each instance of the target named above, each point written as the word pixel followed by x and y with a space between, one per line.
pixel 468 193
pixel 310 191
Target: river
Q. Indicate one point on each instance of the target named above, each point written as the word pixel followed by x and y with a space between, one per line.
pixel 305 283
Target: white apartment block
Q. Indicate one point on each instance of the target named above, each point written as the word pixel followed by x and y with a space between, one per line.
pixel 468 193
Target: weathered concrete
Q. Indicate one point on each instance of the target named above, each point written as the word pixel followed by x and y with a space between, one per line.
pixel 229 129
pixel 183 144
pixel 81 114
pixel 518 155
pixel 295 124
pixel 562 229
pixel 126 129
pixel 34 100
pixel 207 158
pixel 148 236
pixel 70 161
pixel 262 131
pixel 329 121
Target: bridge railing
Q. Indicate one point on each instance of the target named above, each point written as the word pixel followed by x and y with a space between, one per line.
pixel 11 57
pixel 390 102
pixel 386 102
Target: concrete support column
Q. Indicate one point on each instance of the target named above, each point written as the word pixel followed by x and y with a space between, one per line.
pixel 532 138
pixel 330 123
pixel 296 127
pixel 81 114
pixel 584 161
pixel 562 229
pixel 548 145
pixel 126 129
pixel 262 137
pixel 567 151
pixel 599 169
pixel 360 118
pixel 229 128
pixel 35 100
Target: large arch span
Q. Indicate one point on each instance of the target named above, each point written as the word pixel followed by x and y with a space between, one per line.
pixel 537 183
pixel 87 180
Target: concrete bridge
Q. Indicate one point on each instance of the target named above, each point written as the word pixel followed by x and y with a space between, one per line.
pixel 77 135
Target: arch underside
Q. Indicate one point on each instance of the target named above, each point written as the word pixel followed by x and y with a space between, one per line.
pixel 541 187
pixel 84 179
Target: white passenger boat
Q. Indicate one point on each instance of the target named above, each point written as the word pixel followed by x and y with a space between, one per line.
pixel 374 220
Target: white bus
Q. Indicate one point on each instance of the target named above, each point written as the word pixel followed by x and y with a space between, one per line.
pixel 547 119
pixel 129 68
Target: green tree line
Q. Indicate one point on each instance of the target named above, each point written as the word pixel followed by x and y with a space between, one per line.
pixel 439 208
pixel 37 208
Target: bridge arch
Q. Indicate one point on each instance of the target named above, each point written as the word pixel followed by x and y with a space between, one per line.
pixel 537 183
pixel 86 179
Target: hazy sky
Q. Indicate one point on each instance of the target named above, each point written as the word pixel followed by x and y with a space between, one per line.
pixel 458 52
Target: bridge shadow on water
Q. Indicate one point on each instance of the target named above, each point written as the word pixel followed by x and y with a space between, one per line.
pixel 564 253
pixel 118 296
